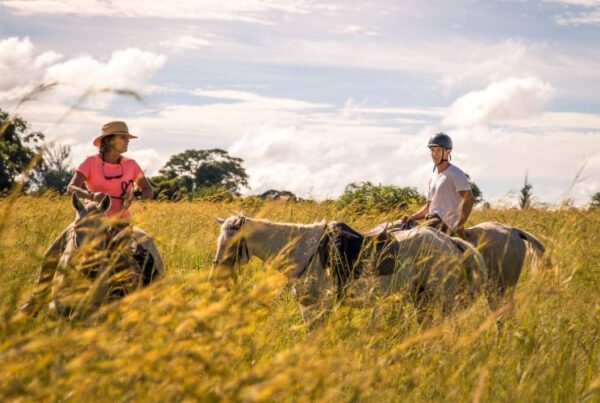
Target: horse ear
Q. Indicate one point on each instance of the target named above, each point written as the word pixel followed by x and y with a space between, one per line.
pixel 77 204
pixel 220 221
pixel 105 203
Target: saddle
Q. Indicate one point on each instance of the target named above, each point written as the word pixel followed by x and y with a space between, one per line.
pixel 350 254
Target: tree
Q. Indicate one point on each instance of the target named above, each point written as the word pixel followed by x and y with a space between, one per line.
pixel 364 196
pixel 206 168
pixel 169 189
pixel 525 196
pixel 477 194
pixel 595 201
pixel 273 194
pixel 54 171
pixel 18 148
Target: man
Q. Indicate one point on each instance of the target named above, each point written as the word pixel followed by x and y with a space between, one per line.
pixel 449 198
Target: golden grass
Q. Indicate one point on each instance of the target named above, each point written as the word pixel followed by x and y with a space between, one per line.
pixel 182 339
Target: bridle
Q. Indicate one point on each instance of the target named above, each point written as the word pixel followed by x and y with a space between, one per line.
pixel 108 233
pixel 240 249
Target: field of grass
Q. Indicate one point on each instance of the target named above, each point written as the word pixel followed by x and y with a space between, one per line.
pixel 184 339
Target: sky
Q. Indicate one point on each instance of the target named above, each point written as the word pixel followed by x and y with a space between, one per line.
pixel 315 95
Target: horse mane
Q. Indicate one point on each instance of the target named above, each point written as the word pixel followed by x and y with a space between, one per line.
pixel 234 222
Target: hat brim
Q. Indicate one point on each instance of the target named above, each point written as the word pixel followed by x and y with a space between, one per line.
pixel 98 139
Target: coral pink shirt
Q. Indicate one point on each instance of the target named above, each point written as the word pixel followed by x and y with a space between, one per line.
pixel 115 180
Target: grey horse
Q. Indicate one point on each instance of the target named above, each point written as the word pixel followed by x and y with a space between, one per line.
pixel 503 248
pixel 91 263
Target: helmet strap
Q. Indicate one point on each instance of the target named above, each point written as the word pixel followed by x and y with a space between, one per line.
pixel 442 160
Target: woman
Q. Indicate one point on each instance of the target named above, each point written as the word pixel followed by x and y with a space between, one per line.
pixel 111 173
pixel 106 173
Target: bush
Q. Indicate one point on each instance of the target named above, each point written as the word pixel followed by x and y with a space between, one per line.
pixel 365 196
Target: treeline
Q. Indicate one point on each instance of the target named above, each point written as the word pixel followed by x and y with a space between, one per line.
pixel 30 164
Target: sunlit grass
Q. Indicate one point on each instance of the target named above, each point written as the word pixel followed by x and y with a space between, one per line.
pixel 183 338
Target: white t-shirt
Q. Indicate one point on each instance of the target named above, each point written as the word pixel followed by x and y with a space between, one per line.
pixel 443 194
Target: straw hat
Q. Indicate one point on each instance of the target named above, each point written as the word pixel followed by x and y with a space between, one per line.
pixel 110 128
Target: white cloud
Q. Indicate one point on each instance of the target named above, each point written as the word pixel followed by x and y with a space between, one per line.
pixel 186 42
pixel 148 159
pixel 584 18
pixel 247 10
pixel 585 3
pixel 590 14
pixel 507 99
pixel 278 158
pixel 20 66
pixel 22 70
pixel 126 69
pixel 357 30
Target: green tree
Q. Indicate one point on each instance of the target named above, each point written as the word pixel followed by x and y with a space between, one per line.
pixel 365 196
pixel 477 194
pixel 170 189
pixel 54 171
pixel 18 148
pixel 198 169
pixel 595 201
pixel 525 194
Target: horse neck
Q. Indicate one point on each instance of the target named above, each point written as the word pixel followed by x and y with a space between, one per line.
pixel 70 245
pixel 268 239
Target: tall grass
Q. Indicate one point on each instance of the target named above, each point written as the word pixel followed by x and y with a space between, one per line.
pixel 185 339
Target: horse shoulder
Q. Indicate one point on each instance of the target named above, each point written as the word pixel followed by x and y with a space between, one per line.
pixel 142 238
pixel 52 256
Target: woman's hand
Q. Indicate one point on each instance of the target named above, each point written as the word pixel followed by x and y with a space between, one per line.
pixel 128 199
pixel 97 197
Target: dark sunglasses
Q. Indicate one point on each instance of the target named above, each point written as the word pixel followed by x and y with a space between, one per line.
pixel 112 177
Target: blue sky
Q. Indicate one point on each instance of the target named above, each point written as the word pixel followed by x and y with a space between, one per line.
pixel 315 95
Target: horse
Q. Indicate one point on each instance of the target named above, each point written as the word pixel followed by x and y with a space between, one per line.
pixel 424 262
pixel 503 249
pixel 92 263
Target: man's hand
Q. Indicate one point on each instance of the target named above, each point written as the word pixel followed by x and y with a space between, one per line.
pixel 460 232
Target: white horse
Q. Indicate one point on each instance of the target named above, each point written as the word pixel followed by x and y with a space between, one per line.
pixel 424 262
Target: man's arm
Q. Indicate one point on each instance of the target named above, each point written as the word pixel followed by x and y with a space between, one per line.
pixel 466 206
pixel 419 215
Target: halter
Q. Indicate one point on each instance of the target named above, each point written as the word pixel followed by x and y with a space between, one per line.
pixel 241 248
pixel 108 233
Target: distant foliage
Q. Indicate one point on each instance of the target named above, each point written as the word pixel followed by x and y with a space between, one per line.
pixel 193 170
pixel 477 193
pixel 54 171
pixel 273 194
pixel 18 148
pixel 595 201
pixel 365 196
pixel 525 195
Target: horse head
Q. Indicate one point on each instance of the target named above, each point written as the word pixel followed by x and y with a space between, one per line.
pixel 232 248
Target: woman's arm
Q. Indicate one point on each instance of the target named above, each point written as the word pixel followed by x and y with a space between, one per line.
pixel 75 186
pixel 146 188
